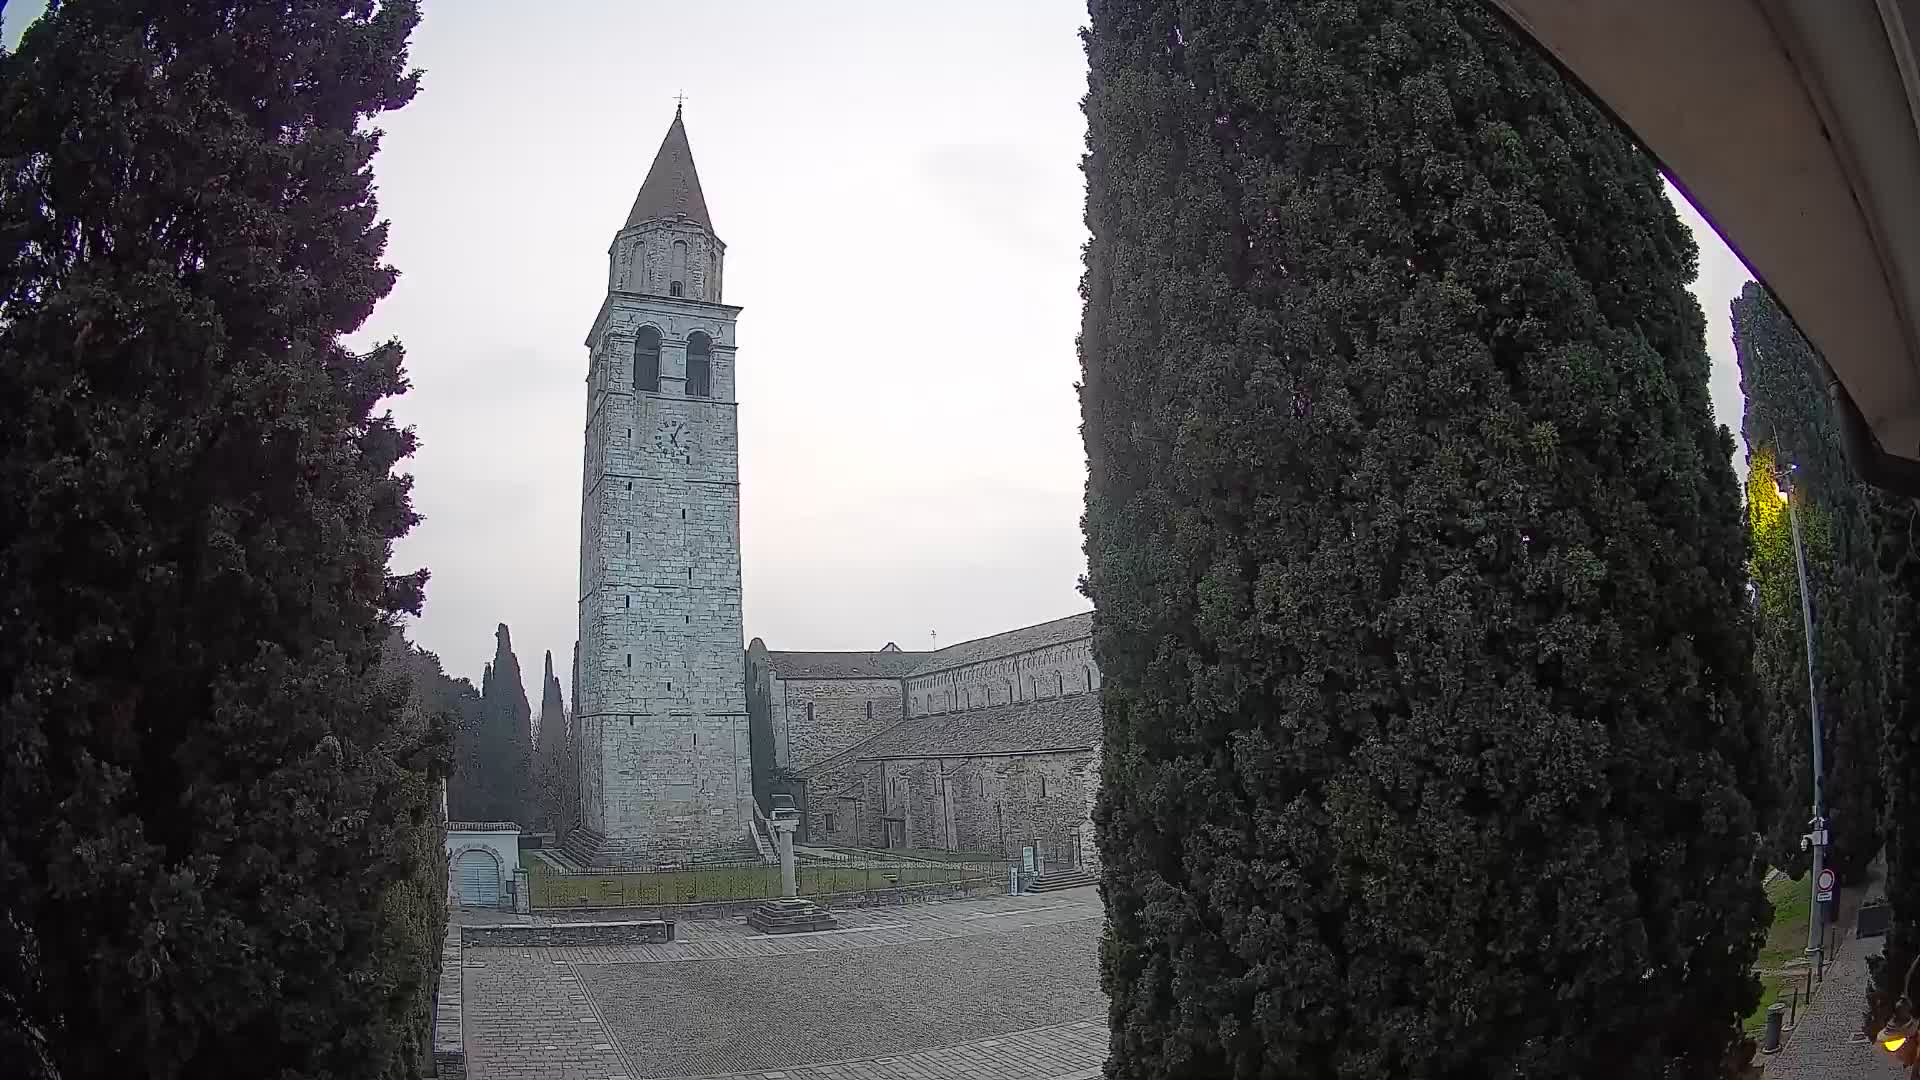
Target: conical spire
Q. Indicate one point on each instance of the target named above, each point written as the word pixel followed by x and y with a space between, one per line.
pixel 672 186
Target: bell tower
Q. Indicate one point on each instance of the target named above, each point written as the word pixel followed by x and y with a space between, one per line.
pixel 661 716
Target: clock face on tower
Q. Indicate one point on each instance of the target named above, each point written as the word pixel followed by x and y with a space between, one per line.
pixel 672 442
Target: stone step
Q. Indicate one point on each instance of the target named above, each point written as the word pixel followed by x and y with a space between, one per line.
pixel 1055 880
pixel 790 916
pixel 555 858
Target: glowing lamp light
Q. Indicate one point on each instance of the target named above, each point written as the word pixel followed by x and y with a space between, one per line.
pixel 1898 1037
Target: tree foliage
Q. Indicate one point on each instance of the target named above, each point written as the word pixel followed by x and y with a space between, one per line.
pixel 551 776
pixel 1431 743
pixel 1790 427
pixel 495 750
pixel 214 799
pixel 1897 522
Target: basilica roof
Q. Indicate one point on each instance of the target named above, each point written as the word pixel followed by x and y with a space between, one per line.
pixel 1025 639
pixel 672 187
pixel 885 664
pixel 1059 723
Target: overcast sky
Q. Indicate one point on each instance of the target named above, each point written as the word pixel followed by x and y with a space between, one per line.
pixel 899 189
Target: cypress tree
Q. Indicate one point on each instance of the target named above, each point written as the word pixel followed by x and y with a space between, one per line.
pixel 574 810
pixel 466 796
pixel 1790 422
pixel 506 736
pixel 1417 562
pixel 1897 522
pixel 550 755
pixel 213 795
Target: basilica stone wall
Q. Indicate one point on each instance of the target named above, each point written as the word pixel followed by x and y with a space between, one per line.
pixel 815 718
pixel 990 780
pixel 994 805
pixel 1048 660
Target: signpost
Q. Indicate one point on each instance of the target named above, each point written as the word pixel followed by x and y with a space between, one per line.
pixel 1823 885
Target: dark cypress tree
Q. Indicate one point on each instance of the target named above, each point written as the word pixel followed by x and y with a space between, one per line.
pixel 1417 560
pixel 1898 523
pixel 506 737
pixel 1790 420
pixel 466 796
pixel 550 756
pixel 212 791
pixel 415 908
pixel 573 818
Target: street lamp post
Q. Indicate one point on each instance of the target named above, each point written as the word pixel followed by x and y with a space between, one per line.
pixel 1816 838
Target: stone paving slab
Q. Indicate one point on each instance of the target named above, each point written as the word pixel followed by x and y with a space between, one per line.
pixel 998 988
pixel 1824 1044
pixel 735 925
pixel 779 1012
pixel 534 1022
pixel 698 946
pixel 1070 1051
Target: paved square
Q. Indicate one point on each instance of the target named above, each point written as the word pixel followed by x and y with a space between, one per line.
pixel 995 989
pixel 777 1012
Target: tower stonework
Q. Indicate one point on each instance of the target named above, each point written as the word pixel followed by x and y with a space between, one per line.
pixel 661 716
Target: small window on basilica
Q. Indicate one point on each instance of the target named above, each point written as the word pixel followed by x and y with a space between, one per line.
pixel 676 289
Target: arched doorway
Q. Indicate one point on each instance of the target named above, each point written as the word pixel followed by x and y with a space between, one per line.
pixel 476 878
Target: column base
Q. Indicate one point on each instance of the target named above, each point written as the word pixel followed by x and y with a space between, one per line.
pixel 790 915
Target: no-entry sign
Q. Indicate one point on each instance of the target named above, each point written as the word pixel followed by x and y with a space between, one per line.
pixel 1823 885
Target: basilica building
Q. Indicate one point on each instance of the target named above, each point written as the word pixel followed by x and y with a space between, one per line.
pixel 988 746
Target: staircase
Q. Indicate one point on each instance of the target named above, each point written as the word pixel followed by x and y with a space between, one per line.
pixel 762 838
pixel 1055 880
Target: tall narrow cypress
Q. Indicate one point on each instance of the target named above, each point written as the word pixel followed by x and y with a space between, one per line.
pixel 550 755
pixel 1789 425
pixel 502 745
pixel 1897 521
pixel 1418 563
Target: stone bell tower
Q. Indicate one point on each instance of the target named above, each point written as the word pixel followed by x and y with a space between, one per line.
pixel 661 716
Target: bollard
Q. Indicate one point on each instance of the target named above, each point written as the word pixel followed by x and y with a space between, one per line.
pixel 1770 1039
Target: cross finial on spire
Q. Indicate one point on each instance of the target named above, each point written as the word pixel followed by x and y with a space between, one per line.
pixel 679 100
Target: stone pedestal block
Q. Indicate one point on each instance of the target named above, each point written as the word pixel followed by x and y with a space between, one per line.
pixel 790 915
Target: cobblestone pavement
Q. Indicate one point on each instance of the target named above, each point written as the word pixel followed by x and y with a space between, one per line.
pixel 532 1021
pixel 781 1011
pixel 1825 1044
pixel 1001 989
pixel 1061 1052
pixel 1086 900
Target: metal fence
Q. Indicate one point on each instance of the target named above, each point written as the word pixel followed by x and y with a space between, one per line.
pixel 855 881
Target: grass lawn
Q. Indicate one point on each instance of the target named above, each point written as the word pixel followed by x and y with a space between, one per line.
pixel 704 884
pixel 1792 911
pixel 1786 944
pixel 1773 987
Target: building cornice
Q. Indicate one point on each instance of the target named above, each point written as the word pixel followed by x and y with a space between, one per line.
pixel 678 305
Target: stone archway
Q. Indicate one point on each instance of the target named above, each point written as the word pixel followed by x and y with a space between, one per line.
pixel 476 877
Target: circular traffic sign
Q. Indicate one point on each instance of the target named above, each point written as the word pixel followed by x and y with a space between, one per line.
pixel 1826 879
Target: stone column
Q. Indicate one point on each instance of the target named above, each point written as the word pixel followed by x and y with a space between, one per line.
pixel 789 914
pixel 783 828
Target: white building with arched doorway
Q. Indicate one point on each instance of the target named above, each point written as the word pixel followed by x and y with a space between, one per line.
pixel 483 858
